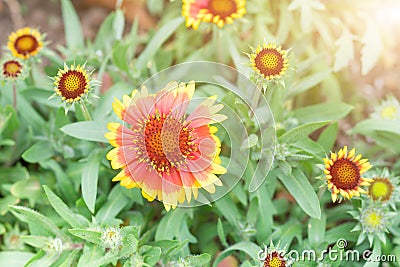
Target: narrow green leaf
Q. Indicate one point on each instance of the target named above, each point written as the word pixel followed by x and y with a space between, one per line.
pixel 14 258
pixel 33 217
pixel 221 233
pixel 73 29
pixel 38 152
pixel 90 175
pixel 327 138
pixel 301 131
pixel 300 188
pixel 371 125
pixel 87 130
pixel 36 241
pixel 170 224
pixel 157 41
pixel 249 248
pixel 308 83
pixel 322 112
pixel 73 219
pixel 316 231
pixel 116 201
pixel 198 260
pixel 88 235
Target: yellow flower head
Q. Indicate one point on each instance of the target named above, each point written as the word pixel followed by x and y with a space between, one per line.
pixel 72 83
pixel 25 43
pixel 219 12
pixel 12 69
pixel 389 109
pixel 343 172
pixel 269 61
pixel 381 189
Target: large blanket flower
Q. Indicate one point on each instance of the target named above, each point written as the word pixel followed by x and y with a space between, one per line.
pixel 161 149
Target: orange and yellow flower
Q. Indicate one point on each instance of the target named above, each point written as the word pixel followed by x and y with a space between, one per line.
pixel 269 61
pixel 72 83
pixel 25 42
pixel 163 151
pixel 344 171
pixel 220 12
pixel 274 259
pixel 12 69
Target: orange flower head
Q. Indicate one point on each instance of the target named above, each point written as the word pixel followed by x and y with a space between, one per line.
pixel 25 43
pixel 344 171
pixel 163 151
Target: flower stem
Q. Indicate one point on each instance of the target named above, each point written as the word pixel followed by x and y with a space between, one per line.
pixel 86 113
pixel 15 97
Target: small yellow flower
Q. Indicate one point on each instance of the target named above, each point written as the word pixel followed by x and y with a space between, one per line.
pixel 389 109
pixel 12 69
pixel 72 83
pixel 25 42
pixel 343 172
pixel 381 188
pixel 219 12
pixel 269 61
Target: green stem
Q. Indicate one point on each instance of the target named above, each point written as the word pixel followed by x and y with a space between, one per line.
pixel 86 113
pixel 15 97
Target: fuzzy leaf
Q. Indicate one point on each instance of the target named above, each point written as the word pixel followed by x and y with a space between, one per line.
pixel 73 29
pixel 300 188
pixel 87 130
pixel 73 219
pixel 247 247
pixel 322 112
pixel 301 131
pixel 90 175
pixel 88 235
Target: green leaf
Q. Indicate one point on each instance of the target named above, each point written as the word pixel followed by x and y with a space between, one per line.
pixel 73 219
pixel 300 188
pixel 152 256
pixel 327 138
pixel 2 229
pixel 198 260
pixel 249 141
pixel 372 47
pixel 88 235
pixel 345 50
pixel 110 30
pixel 308 83
pixel 247 247
pixel 36 241
pixel 371 125
pixel 73 29
pixel 116 201
pixel 6 202
pixel 221 233
pixel 38 152
pixel 14 258
pixel 119 55
pixel 322 112
pixel 170 224
pixel 90 175
pixel 157 41
pixel 34 218
pixel 316 231
pixel 87 130
pixel 301 131
pixel 29 189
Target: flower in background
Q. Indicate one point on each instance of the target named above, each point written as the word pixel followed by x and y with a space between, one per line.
pixel 220 12
pixel 389 109
pixel 25 42
pixel 385 189
pixel 273 256
pixel 73 84
pixel 343 172
pixel 269 61
pixel 166 153
pixel 12 69
pixel 373 221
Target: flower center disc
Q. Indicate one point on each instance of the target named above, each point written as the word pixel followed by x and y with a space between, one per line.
pixel 11 68
pixel 380 189
pixel 223 8
pixel 72 84
pixel 269 62
pixel 374 219
pixel 345 174
pixel 274 260
pixel 26 44
pixel 389 112
pixel 168 142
